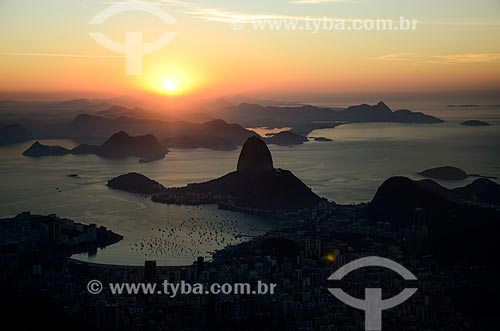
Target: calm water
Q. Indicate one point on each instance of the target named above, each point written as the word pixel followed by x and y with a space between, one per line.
pixel 347 170
pixel 172 235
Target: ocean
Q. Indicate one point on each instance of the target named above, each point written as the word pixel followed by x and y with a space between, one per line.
pixel 347 170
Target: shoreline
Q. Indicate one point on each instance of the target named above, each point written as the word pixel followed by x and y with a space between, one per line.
pixel 74 261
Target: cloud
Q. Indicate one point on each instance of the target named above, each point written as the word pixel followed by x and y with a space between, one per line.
pixel 60 55
pixel 314 2
pixel 221 15
pixel 462 23
pixel 473 58
pixel 416 58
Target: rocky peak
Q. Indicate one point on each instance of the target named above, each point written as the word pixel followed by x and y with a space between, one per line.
pixel 255 156
pixel 383 107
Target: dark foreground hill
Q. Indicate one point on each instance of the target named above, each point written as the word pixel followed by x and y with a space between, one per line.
pixel 457 223
pixel 398 197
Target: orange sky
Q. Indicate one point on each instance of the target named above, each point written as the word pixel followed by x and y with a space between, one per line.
pixel 46 48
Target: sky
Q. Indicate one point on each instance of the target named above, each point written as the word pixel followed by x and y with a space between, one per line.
pixel 229 47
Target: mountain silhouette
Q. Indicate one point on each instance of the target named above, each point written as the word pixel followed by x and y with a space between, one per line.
pixel 459 225
pixel 482 190
pixel 214 134
pixel 255 184
pixel 13 134
pixel 119 145
pixel 446 210
pixel 255 157
pixel 249 114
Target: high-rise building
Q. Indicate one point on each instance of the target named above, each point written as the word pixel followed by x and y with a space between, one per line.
pixel 419 222
pixel 200 265
pixel 312 249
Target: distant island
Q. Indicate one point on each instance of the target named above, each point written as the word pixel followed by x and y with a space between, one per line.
pixel 39 150
pixel 300 118
pixel 322 139
pixel 445 173
pixel 462 106
pixel 475 123
pixel 448 173
pixel 135 183
pixel 285 138
pixel 119 145
pixel 382 113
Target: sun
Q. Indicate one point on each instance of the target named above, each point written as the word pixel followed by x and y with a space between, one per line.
pixel 171 82
pixel 171 86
